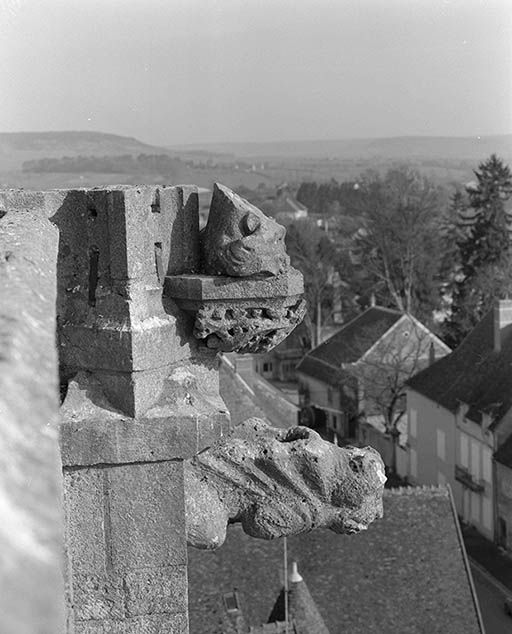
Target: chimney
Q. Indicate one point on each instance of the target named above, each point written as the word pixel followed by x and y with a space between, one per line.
pixel 295 577
pixel 373 301
pixel 502 319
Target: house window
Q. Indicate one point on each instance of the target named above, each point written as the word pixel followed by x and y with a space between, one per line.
pixel 334 421
pixel 464 450
pixel 487 464
pixel 329 395
pixel 413 419
pixel 267 367
pixel 441 444
pixel 475 459
pixel 414 463
pixel 487 513
pixel 475 507
pixel 349 391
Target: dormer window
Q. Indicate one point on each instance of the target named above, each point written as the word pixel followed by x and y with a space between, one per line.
pixel 231 601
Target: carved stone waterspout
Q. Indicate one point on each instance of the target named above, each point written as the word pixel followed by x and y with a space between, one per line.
pixel 280 482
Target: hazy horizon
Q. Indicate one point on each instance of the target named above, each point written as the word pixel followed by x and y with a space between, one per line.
pixel 192 72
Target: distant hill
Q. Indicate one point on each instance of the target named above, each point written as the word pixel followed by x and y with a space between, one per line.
pixel 415 147
pixel 447 161
pixel 17 147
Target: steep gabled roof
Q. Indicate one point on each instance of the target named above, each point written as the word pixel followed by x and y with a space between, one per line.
pixel 302 610
pixel 406 573
pixel 473 374
pixel 350 343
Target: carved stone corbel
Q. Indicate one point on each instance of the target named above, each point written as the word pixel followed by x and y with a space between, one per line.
pixel 247 298
pixel 280 482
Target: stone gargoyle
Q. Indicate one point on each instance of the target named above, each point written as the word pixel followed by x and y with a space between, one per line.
pixel 280 482
pixel 239 240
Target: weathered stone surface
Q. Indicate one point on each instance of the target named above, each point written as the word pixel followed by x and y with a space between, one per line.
pixel 161 590
pixel 154 624
pixel 98 597
pixel 114 253
pixel 280 483
pixel 86 521
pixel 126 542
pixel 146 512
pixel 239 240
pixel 188 416
pixel 250 326
pixel 31 583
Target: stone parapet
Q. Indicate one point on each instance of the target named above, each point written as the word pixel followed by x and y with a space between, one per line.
pixel 31 581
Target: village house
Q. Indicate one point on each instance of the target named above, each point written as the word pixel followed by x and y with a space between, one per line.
pixel 503 458
pixel 353 380
pixel 460 414
pixel 286 207
pixel 280 363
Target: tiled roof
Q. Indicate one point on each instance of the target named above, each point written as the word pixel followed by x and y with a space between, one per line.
pixel 406 573
pixel 473 374
pixel 240 399
pixel 350 342
pixel 320 370
pixel 254 397
pixel 504 453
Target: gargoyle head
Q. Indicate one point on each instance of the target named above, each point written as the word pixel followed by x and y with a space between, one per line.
pixel 239 240
pixel 281 482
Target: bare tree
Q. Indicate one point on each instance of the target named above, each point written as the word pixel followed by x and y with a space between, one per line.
pixel 398 240
pixel 313 253
pixel 383 371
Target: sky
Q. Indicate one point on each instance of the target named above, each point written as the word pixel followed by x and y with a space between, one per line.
pixel 171 72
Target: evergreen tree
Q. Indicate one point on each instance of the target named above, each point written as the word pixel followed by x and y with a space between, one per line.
pixel 484 253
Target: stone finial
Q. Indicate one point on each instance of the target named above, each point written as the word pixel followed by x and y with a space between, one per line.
pixel 280 482
pixel 239 240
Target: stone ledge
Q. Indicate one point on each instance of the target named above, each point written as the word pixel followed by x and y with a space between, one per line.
pixel 185 420
pixel 103 441
pixel 214 287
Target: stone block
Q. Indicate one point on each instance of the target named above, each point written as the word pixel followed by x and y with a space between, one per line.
pixel 119 441
pixel 147 519
pixel 98 597
pixel 154 624
pixel 184 254
pixel 216 287
pixel 156 591
pixel 84 500
pixel 188 416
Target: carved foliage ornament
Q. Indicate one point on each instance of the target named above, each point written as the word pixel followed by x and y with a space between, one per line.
pixel 248 327
pixel 280 482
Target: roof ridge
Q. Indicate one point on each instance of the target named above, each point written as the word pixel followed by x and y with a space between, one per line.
pixel 351 321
